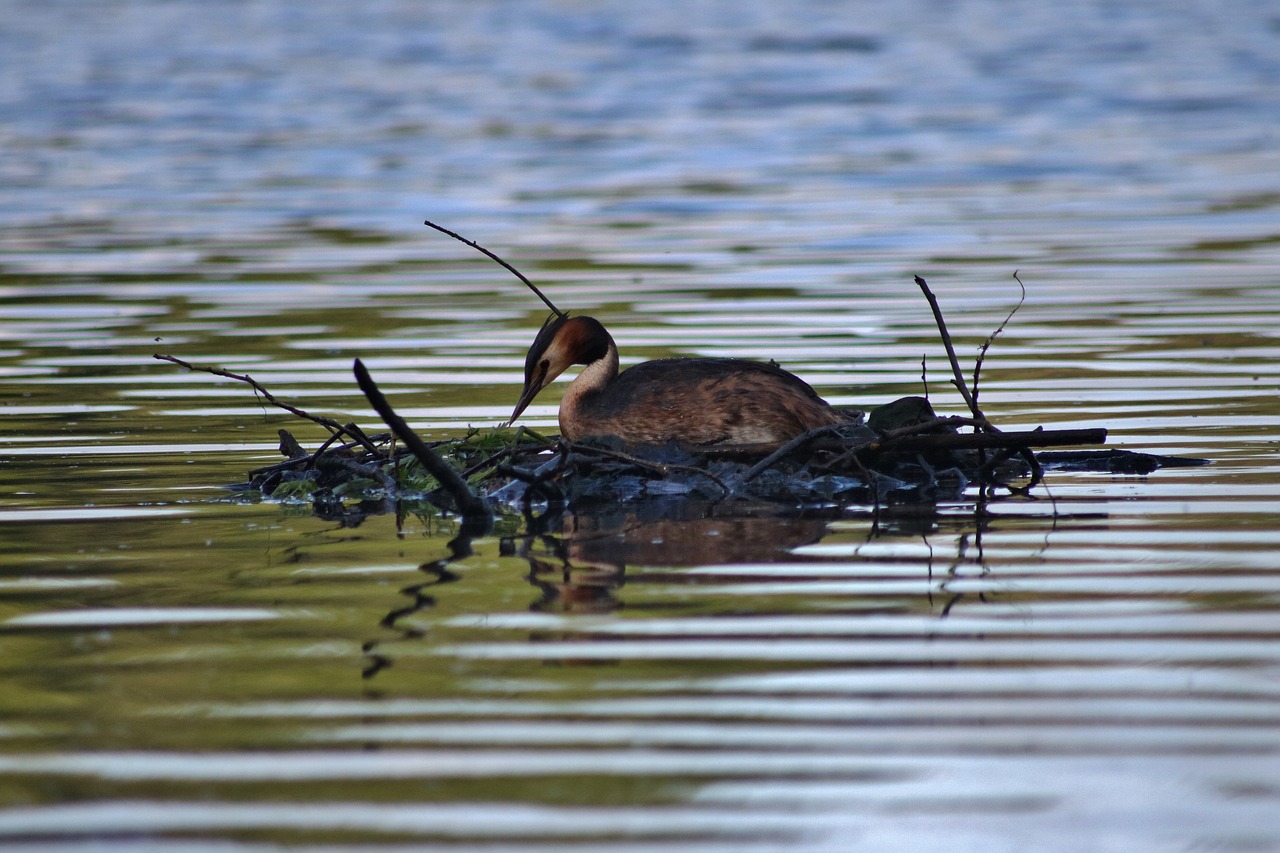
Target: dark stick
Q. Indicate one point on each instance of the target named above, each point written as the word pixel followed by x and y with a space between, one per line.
pixel 473 244
pixel 495 458
pixel 951 351
pixel 660 468
pixel 767 462
pixel 472 507
pixel 949 422
pixel 1037 472
pixel 333 462
pixel 304 461
pixel 999 440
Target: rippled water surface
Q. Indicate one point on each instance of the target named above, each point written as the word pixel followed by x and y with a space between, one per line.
pixel 1092 668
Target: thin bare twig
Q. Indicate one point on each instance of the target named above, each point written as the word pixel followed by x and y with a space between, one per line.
pixel 930 426
pixel 662 468
pixel 307 460
pixel 768 462
pixel 986 345
pixel 330 424
pixel 494 459
pixel 481 249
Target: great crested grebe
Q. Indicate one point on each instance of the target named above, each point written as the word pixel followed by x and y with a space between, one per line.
pixel 705 402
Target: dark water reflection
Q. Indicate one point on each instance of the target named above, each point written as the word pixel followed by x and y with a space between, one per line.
pixel 1092 668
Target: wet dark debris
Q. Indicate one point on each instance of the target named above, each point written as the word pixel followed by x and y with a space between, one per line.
pixel 516 469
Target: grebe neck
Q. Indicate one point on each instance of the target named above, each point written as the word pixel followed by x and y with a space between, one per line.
pixel 593 379
pixel 598 374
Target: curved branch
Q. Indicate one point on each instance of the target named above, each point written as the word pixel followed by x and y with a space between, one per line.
pixel 482 250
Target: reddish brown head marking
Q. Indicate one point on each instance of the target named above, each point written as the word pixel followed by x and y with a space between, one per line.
pixel 562 341
pixel 583 340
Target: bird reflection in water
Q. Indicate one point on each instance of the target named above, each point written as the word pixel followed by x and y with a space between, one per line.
pixel 580 559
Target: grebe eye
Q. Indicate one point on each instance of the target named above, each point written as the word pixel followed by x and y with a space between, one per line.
pixel 546 365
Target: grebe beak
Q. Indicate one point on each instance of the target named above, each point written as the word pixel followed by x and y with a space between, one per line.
pixel 531 389
pixel 526 397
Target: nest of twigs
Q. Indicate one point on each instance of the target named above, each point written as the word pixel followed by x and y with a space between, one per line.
pixel 520 469
pixel 902 451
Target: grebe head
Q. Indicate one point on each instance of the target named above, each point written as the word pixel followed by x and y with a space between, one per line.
pixel 562 342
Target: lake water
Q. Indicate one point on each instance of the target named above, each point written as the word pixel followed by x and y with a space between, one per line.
pixel 243 184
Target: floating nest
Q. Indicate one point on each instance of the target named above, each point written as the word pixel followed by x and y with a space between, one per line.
pixel 901 452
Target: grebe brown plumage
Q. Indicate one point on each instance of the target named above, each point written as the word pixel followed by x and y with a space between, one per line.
pixel 704 402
